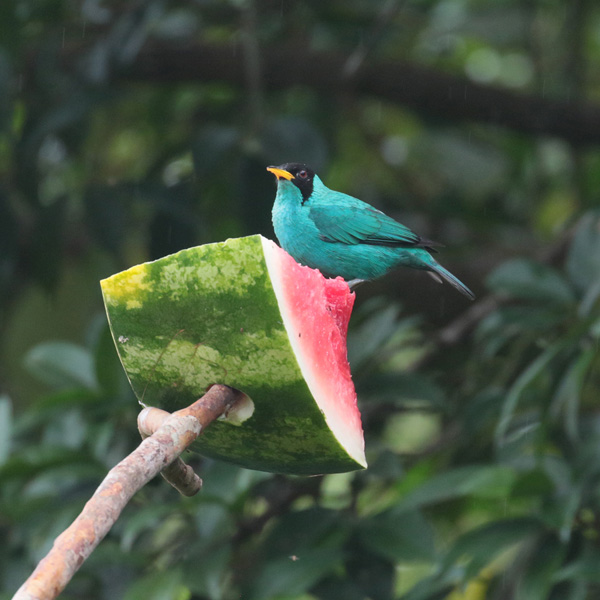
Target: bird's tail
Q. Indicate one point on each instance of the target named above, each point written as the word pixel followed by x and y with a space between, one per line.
pixel 437 269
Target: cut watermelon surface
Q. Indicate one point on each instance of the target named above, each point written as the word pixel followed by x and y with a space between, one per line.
pixel 244 313
pixel 316 312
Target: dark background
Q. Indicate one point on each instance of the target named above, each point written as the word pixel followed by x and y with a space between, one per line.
pixel 130 130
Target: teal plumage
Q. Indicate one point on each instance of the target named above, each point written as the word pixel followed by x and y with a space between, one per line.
pixel 343 236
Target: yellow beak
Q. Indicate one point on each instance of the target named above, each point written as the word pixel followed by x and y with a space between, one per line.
pixel 280 173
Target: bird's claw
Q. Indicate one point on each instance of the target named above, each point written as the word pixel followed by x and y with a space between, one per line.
pixel 354 283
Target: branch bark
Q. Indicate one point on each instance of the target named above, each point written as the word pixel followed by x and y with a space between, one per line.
pixel 174 434
pixel 422 89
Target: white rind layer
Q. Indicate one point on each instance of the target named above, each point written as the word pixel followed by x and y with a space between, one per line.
pixel 346 430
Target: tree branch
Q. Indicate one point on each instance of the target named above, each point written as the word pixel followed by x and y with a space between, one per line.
pixel 422 89
pixel 174 434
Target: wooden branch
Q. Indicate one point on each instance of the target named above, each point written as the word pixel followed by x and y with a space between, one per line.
pixel 178 474
pixel 172 435
pixel 428 91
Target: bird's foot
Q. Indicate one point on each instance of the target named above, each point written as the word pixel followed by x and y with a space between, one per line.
pixel 354 283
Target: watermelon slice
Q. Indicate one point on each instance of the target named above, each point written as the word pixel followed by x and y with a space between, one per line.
pixel 244 313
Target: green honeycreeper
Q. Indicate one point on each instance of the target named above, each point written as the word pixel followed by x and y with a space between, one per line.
pixel 343 236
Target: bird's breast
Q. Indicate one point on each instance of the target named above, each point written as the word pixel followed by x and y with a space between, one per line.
pixel 292 227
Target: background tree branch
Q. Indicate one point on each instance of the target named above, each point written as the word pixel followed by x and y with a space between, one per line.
pixel 428 91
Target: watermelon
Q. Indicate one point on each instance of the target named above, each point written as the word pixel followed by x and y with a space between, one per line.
pixel 245 314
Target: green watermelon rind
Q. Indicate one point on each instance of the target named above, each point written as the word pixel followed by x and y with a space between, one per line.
pixel 207 315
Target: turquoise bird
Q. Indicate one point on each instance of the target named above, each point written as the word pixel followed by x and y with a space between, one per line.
pixel 343 236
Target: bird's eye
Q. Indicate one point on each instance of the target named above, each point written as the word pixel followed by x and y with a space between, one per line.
pixel 302 174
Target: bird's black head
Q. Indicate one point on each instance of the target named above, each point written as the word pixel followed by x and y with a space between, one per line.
pixel 301 175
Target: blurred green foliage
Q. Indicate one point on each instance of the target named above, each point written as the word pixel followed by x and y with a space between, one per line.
pixel 482 421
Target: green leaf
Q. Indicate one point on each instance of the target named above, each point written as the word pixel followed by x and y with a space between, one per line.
pixel 398 535
pixel 413 389
pixel 364 341
pixel 42 459
pixel 209 576
pixel 583 568
pixel 589 299
pixel 225 483
pixel 540 569
pixel 532 484
pixel 161 585
pixel 486 481
pixel 583 260
pixel 509 322
pixel 534 369
pixel 528 280
pixel 434 587
pixel 482 544
pixel 299 532
pixel 374 576
pixel 146 518
pixel 53 405
pixel 334 588
pixel 62 364
pixel 567 396
pixel 292 575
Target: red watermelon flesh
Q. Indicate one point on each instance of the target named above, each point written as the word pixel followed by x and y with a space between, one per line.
pixel 316 312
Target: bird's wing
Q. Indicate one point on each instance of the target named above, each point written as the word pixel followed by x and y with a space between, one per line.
pixel 351 221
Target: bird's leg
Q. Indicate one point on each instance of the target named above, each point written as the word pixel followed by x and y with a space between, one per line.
pixel 354 283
